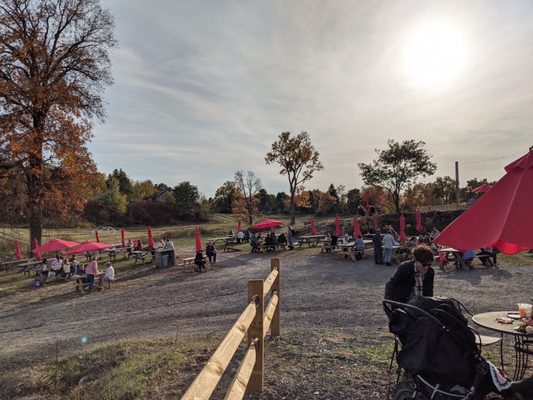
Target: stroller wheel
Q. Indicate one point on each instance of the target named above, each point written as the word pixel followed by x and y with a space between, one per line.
pixel 403 394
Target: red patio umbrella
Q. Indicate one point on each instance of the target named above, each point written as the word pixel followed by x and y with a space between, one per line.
pixel 198 240
pixel 17 250
pixel 36 249
pixel 55 245
pixel 150 237
pixel 266 223
pixel 375 223
pixel 356 228
pixel 338 232
pixel 122 238
pixel 482 189
pixel 403 236
pixel 501 218
pixel 419 227
pixel 312 222
pixel 88 247
pixel 238 226
pixel 97 235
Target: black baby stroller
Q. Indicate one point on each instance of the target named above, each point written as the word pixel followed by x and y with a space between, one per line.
pixel 440 354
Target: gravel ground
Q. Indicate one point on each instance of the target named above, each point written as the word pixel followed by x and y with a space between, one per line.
pixel 320 293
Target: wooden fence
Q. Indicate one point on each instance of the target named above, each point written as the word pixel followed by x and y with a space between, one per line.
pixel 254 322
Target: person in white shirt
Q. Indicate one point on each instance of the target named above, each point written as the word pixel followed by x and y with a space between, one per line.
pixel 169 245
pixel 109 274
pixel 388 245
pixel 240 236
pixel 57 266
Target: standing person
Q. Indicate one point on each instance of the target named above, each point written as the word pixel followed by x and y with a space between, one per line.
pixel 388 245
pixel 129 247
pixel 240 236
pixel 109 274
pixel 378 247
pixel 90 272
pixel 211 252
pixel 73 264
pixel 290 238
pixel 413 277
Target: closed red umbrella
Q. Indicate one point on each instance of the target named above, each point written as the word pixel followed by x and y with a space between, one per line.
pixel 375 223
pixel 238 226
pixel 150 237
pixel 356 228
pixel 482 189
pixel 36 249
pixel 419 227
pixel 17 250
pixel 266 223
pixel 88 247
pixel 55 245
pixel 403 236
pixel 312 222
pixel 198 240
pixel 97 235
pixel 122 238
pixel 337 226
pixel 501 218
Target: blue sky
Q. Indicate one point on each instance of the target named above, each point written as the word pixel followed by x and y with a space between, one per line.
pixel 202 88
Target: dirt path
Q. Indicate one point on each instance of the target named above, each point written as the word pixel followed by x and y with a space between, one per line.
pixel 322 291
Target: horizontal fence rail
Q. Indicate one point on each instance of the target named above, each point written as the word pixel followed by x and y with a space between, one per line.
pixel 255 323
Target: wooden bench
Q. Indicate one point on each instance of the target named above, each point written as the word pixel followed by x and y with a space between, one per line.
pixel 188 262
pixel 141 255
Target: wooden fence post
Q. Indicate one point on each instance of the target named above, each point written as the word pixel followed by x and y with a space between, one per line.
pixel 255 291
pixel 275 326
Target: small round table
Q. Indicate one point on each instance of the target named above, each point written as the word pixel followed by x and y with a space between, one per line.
pixel 521 340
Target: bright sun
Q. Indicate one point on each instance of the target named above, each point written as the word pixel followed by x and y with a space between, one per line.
pixel 435 54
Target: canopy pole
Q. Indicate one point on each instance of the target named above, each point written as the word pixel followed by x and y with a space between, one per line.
pixel 457 199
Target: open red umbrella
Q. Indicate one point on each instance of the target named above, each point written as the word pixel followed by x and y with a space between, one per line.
pixel 356 228
pixel 97 235
pixel 55 245
pixel 266 223
pixel 238 226
pixel 88 247
pixel 36 249
pixel 198 240
pixel 337 226
pixel 150 237
pixel 122 238
pixel 17 250
pixel 482 189
pixel 419 227
pixel 312 223
pixel 375 223
pixel 403 236
pixel 501 218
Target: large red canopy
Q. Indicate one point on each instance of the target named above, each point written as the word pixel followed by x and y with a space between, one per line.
pixel 54 245
pixel 88 247
pixel 266 223
pixel 501 218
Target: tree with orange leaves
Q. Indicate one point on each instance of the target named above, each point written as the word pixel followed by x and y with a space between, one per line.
pixel 54 66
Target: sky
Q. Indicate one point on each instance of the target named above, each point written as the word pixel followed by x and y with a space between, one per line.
pixel 203 88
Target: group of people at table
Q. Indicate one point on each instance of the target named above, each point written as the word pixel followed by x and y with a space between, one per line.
pixel 85 274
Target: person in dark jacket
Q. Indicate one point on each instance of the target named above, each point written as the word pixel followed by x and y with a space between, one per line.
pixel 377 241
pixel 211 252
pixel 199 260
pixel 413 277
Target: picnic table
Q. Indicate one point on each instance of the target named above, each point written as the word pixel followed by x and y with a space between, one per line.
pixel 310 240
pixel 13 263
pixel 457 258
pixel 113 251
pixel 140 255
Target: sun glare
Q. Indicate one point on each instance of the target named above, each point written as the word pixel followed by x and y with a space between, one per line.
pixel 435 54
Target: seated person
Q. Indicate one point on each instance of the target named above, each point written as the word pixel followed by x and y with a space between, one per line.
pixel 73 265
pixel 273 239
pixel 414 277
pixel 199 260
pixel 282 240
pixel 80 269
pixel 468 257
pixel 334 240
pixel 138 246
pixel 254 243
pixel 240 236
pixel 359 247
pixel 109 274
pixel 268 241
pixel 43 268
pixel 485 255
pixel 57 266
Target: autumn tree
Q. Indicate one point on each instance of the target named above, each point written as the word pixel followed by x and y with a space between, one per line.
pixel 298 160
pixel 245 205
pixel 397 167
pixel 54 66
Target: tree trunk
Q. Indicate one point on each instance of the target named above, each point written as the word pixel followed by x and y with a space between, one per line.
pixel 292 208
pixel 35 181
pixel 396 199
